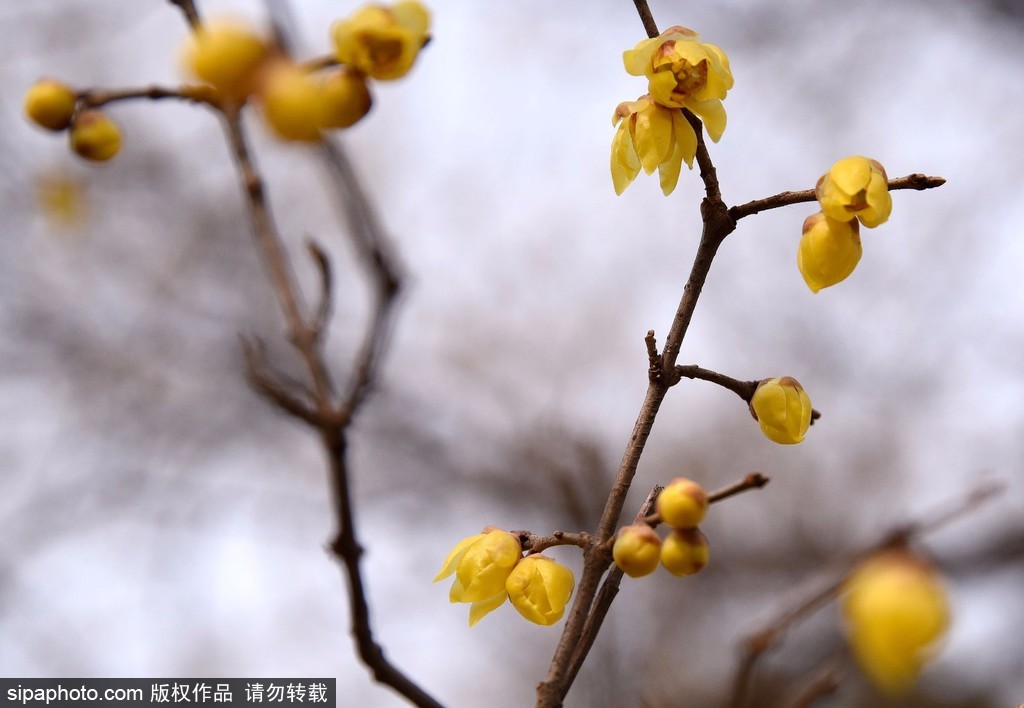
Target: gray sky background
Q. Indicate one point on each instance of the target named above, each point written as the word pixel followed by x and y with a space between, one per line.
pixel 160 520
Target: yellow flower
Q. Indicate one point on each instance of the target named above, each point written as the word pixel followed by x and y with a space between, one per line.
pixel 227 55
pixel 829 250
pixel 380 41
pixel 346 98
pixel 685 552
pixel 683 72
pixel 293 102
pixel 540 589
pixel 855 187
pixel 636 550
pixel 683 503
pixel 95 136
pixel 481 564
pixel 783 410
pixel 895 610
pixel 650 136
pixel 50 103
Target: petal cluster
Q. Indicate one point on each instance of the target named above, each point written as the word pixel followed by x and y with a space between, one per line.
pixel 382 42
pixel 855 187
pixel 650 136
pixel 782 409
pixel 895 612
pixel 540 588
pixel 683 72
pixel 829 250
pixel 489 568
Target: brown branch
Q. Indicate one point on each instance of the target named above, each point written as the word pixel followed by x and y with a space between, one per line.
pixel 743 389
pixel 754 480
pixel 188 8
pixel 326 300
pixel 650 26
pixel 915 181
pixel 760 642
pixel 95 98
pixel 535 543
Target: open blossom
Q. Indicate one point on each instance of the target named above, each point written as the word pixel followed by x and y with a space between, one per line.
pixel 829 250
pixel 895 611
pixel 380 41
pixel 783 410
pixel 540 588
pixel 481 564
pixel 683 72
pixel 855 187
pixel 650 136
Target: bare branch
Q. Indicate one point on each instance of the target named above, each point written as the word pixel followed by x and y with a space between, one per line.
pixel 188 8
pixel 326 302
pixel 94 98
pixel 534 543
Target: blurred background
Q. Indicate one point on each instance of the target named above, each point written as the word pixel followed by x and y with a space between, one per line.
pixel 158 519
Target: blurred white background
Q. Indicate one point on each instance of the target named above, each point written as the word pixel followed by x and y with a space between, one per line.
pixel 160 520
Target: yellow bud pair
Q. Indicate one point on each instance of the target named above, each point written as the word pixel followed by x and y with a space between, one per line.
pixel 682 505
pixel 854 191
pixel 298 105
pixel 92 134
pixel 895 612
pixel 489 569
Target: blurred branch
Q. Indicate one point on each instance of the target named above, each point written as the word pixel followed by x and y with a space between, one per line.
pixel 915 181
pixel 761 641
pixel 188 8
pixel 94 98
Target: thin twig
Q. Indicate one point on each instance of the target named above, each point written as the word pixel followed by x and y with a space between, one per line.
pixel 914 181
pixel 534 543
pixel 94 98
pixel 188 8
pixel 743 389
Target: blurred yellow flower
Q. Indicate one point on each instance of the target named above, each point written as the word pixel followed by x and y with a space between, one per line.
pixel 481 564
pixel 95 136
pixel 293 101
pixel 540 589
pixel 855 187
pixel 636 550
pixel 683 72
pixel 226 54
pixel 783 410
pixel 381 41
pixel 50 104
pixel 650 136
pixel 895 611
pixel 829 250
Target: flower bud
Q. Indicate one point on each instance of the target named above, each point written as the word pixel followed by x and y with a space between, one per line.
pixel 227 55
pixel 783 409
pixel 829 250
pixel 684 552
pixel 481 564
pixel 382 42
pixel 346 99
pixel 540 588
pixel 895 611
pixel 95 136
pixel 855 187
pixel 50 104
pixel 683 503
pixel 636 550
pixel 293 102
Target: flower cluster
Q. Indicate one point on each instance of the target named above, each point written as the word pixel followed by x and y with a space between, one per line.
pixel 653 132
pixel 854 192
pixel 638 549
pixel 489 568
pixel 895 612
pixel 783 410
pixel 236 64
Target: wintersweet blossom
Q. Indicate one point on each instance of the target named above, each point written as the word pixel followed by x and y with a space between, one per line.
pixel 636 550
pixel 683 72
pixel 855 187
pixel 380 41
pixel 829 250
pixel 540 588
pixel 783 410
pixel 895 612
pixel 650 136
pixel 481 564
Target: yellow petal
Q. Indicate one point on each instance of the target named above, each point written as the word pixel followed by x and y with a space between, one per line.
pixel 486 565
pixel 712 114
pixel 879 202
pixel 625 163
pixel 452 561
pixel 479 609
pixel 637 58
pixel 412 15
pixel 653 136
pixel 851 174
